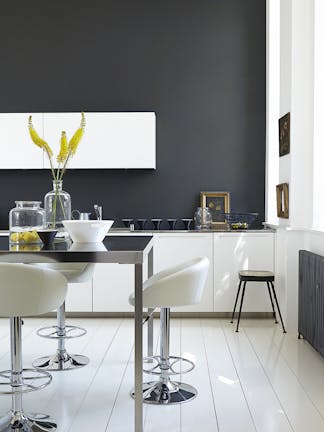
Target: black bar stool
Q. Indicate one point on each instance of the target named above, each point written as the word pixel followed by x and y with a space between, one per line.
pixel 257 276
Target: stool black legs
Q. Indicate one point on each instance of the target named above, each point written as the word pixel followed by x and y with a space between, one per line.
pixel 237 296
pixel 271 295
pixel 241 304
pixel 273 309
pixel 277 304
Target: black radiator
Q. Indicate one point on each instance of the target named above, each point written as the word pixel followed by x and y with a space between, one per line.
pixel 311 299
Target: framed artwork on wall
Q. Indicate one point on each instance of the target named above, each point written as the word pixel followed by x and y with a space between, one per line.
pixel 284 135
pixel 218 204
pixel 283 200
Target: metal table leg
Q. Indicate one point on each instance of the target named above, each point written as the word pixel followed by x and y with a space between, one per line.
pixel 138 368
pixel 150 320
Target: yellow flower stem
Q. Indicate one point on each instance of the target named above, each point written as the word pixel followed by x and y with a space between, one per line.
pixel 64 166
pixel 54 209
pixel 51 165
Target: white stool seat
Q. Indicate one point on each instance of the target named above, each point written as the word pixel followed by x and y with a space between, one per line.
pixel 73 272
pixel 27 291
pixel 177 286
pixel 181 285
pixel 24 291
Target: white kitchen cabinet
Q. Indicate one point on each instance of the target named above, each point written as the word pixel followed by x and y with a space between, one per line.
pixel 17 149
pixel 111 140
pixel 175 248
pixel 79 297
pixel 241 251
pixel 113 283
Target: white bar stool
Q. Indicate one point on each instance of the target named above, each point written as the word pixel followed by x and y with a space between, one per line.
pixel 62 360
pixel 181 285
pixel 26 291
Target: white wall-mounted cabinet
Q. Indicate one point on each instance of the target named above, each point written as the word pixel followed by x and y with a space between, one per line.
pixel 241 251
pixel 16 148
pixel 111 140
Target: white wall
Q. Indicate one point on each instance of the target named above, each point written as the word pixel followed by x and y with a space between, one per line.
pixel 296 95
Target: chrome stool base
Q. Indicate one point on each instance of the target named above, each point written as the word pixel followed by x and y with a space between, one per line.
pixel 169 393
pixel 55 332
pixel 61 361
pixel 31 380
pixel 170 368
pixel 20 422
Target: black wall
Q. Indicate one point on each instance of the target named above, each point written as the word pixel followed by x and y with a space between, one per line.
pixel 199 64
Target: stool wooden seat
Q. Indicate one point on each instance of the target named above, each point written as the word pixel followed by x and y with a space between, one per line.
pixel 257 276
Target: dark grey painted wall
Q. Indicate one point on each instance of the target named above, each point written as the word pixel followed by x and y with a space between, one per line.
pixel 200 64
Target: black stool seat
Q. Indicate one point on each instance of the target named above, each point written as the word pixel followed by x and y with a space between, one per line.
pixel 256 276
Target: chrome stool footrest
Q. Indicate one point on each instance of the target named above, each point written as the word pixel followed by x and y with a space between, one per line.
pixel 23 422
pixel 55 332
pixel 62 360
pixel 157 369
pixel 32 380
pixel 167 393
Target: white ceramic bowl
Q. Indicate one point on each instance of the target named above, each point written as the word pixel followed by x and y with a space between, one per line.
pixel 87 231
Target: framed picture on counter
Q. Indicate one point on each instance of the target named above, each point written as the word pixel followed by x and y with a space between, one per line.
pixel 218 204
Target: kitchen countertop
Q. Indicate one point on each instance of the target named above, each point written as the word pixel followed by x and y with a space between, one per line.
pixel 127 231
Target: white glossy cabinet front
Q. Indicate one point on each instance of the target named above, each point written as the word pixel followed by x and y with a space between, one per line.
pixel 241 251
pixel 17 149
pixel 111 140
pixel 79 297
pixel 228 253
pixel 173 249
pixel 112 285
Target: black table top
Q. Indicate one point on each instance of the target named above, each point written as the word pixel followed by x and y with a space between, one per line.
pixel 114 249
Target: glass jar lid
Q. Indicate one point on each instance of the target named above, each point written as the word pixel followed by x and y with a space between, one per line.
pixel 30 204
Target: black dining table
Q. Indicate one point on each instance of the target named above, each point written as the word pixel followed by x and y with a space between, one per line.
pixel 114 249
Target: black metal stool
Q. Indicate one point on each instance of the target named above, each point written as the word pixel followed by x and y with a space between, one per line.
pixel 257 276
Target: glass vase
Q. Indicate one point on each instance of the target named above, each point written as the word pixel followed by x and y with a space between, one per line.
pixel 202 218
pixel 57 205
pixel 24 221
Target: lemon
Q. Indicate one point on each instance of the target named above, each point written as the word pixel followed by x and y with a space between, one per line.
pixel 34 235
pixel 14 237
pixel 28 237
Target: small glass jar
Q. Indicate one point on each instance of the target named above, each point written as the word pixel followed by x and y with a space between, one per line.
pixel 202 218
pixel 24 221
pixel 57 205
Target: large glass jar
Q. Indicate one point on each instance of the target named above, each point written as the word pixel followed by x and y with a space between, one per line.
pixel 24 222
pixel 202 218
pixel 57 205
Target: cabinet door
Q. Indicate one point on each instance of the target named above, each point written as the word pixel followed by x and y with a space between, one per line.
pixel 241 251
pixel 173 249
pixel 17 149
pixel 113 283
pixel 79 297
pixel 111 140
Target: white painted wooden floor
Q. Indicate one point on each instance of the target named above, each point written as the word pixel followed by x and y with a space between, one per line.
pixel 257 380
